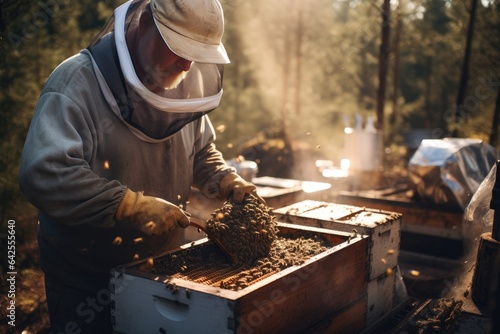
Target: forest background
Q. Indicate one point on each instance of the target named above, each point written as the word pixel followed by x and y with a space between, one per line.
pixel 300 72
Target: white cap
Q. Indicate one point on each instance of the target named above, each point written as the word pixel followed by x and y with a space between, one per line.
pixel 192 29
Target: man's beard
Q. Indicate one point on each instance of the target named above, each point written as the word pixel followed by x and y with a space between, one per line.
pixel 173 80
pixel 157 81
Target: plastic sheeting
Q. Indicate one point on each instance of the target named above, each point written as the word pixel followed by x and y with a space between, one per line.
pixel 479 210
pixel 449 171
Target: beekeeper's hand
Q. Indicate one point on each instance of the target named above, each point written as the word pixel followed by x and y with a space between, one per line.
pixel 151 215
pixel 234 188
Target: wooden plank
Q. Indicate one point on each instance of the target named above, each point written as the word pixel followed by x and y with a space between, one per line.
pixel 346 321
pixel 279 192
pixel 483 280
pixel 317 210
pixel 432 245
pixel 418 217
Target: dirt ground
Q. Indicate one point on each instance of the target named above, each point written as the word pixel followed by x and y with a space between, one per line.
pixel 31 310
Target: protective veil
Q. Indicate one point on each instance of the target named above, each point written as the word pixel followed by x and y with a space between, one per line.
pixel 158 115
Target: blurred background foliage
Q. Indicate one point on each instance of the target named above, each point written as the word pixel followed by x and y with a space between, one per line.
pixel 300 72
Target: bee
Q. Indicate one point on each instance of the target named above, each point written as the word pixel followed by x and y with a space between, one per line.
pixel 172 287
pixel 415 273
pixel 118 241
pixel 150 225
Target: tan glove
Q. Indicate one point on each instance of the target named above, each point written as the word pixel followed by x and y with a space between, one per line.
pixel 151 215
pixel 235 188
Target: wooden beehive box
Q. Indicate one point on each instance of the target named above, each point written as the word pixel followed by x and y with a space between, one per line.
pixel 325 293
pixel 383 228
pixel 428 228
pixel 381 294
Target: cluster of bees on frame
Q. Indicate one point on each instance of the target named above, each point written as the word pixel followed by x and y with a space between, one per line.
pixel 284 253
pixel 246 230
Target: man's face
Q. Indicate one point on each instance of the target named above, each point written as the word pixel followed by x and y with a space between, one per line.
pixel 161 68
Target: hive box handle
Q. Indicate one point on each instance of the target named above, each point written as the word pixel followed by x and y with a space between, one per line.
pixel 171 309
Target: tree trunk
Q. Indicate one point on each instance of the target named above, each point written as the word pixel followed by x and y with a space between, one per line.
pixel 464 77
pixel 496 121
pixel 298 56
pixel 364 85
pixel 396 66
pixel 428 94
pixel 382 67
pixel 482 280
pixel 286 75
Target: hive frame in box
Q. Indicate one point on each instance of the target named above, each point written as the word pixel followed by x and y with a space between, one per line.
pixel 328 292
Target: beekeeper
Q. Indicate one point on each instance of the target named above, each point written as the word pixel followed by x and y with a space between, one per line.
pixel 119 135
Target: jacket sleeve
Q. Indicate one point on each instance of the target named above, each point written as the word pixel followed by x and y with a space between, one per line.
pixel 209 164
pixel 55 174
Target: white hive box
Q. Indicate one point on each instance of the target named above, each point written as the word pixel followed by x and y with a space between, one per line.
pixel 380 295
pixel 383 228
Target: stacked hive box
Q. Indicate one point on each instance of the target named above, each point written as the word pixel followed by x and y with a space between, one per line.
pixel 383 230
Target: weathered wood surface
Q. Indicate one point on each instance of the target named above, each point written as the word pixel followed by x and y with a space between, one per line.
pixel 483 279
pixel 382 228
pixel 345 321
pixel 383 231
pixel 418 217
